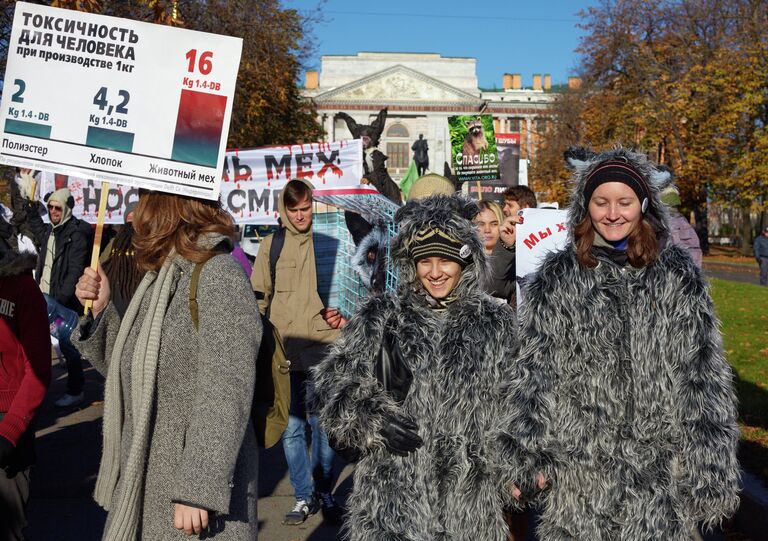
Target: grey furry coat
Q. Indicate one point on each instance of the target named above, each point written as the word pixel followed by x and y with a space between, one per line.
pixel 449 489
pixel 623 397
pixel 202 448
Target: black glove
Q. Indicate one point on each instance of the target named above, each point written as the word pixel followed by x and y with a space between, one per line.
pixel 6 450
pixel 400 437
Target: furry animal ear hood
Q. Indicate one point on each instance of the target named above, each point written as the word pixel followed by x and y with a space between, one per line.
pixel 652 180
pixel 452 215
pixel 373 131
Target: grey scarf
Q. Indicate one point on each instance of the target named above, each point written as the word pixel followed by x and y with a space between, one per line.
pixel 125 511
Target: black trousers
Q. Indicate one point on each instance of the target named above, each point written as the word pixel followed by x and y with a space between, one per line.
pixel 14 488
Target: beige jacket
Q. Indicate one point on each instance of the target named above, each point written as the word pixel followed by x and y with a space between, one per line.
pixel 296 306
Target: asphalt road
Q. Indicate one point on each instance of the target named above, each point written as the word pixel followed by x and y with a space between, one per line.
pixel 68 451
pixel 736 273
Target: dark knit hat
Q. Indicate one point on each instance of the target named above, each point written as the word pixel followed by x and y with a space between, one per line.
pixel 618 171
pixel 431 242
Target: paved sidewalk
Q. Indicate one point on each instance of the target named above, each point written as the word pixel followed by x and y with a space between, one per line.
pixel 69 448
pixel 68 451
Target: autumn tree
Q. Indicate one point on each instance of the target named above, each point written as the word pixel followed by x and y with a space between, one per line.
pixel 548 174
pixel 685 81
pixel 268 108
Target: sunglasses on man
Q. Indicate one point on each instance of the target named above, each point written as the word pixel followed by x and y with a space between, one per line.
pixel 54 207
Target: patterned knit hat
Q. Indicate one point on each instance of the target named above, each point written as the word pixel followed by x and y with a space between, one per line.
pixel 431 242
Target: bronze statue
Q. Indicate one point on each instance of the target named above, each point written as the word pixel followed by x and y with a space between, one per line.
pixel 421 154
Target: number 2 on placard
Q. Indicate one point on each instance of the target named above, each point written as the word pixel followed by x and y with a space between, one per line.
pixel 17 95
pixel 205 66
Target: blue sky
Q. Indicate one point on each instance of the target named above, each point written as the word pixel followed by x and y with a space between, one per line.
pixel 503 35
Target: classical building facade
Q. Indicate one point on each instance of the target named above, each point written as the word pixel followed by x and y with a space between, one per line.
pixel 421 92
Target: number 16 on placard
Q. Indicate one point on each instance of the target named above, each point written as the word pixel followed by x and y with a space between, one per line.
pixel 200 119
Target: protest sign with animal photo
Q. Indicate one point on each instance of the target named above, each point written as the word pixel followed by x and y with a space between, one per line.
pixel 473 145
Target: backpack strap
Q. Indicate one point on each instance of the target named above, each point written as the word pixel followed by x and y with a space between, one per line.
pixel 193 309
pixel 278 241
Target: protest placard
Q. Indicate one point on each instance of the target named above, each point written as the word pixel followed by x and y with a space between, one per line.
pixel 118 100
pixel 486 190
pixel 252 181
pixel 539 232
pixel 473 147
pixel 508 148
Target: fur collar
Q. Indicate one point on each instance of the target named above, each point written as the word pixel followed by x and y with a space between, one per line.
pixel 16 264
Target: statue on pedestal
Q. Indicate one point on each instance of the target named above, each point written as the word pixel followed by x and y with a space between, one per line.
pixel 421 154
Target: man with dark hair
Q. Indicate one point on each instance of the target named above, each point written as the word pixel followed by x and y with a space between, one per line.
pixel 518 197
pixel 503 261
pixel 286 284
pixel 65 245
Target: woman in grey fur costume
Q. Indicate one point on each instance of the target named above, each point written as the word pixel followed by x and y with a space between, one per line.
pixel 623 397
pixel 179 454
pixel 429 468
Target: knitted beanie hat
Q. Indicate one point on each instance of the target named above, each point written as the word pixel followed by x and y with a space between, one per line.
pixel 618 170
pixel 431 242
pixel 63 197
pixel 429 185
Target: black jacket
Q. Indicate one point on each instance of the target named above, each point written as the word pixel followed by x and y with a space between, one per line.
pixel 73 246
pixel 502 283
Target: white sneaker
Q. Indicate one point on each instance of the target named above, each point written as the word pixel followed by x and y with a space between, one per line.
pixel 69 400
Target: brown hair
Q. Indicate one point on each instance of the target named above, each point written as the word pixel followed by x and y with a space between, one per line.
pixel 295 192
pixel 642 247
pixel 163 221
pixel 523 195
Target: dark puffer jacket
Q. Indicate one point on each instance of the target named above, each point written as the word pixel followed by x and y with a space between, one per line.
pixel 623 396
pixel 450 488
pixel 73 250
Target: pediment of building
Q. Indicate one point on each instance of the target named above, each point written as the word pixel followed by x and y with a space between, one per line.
pixel 397 84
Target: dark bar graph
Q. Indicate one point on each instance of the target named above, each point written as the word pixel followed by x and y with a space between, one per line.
pixel 109 139
pixel 30 129
pixel 198 128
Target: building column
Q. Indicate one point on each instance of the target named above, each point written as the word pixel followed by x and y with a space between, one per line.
pixel 528 142
pixel 329 127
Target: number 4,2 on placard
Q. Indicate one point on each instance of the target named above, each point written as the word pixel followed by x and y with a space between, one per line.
pixel 100 99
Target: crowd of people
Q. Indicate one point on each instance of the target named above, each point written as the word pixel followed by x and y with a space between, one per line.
pixel 603 402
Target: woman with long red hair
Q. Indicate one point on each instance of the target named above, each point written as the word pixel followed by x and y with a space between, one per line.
pixel 180 454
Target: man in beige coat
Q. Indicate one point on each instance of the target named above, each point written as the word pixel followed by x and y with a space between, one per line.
pixel 307 328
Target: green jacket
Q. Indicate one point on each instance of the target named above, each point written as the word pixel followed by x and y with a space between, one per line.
pixel 296 305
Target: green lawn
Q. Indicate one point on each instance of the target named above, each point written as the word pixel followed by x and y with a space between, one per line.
pixel 743 311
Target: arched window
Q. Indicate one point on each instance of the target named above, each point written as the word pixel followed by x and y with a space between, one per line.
pixel 397 130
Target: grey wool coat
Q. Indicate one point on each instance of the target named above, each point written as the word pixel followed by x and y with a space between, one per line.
pixel 449 489
pixel 202 448
pixel 623 397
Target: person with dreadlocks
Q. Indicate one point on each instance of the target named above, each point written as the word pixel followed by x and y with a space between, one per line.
pixel 120 264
